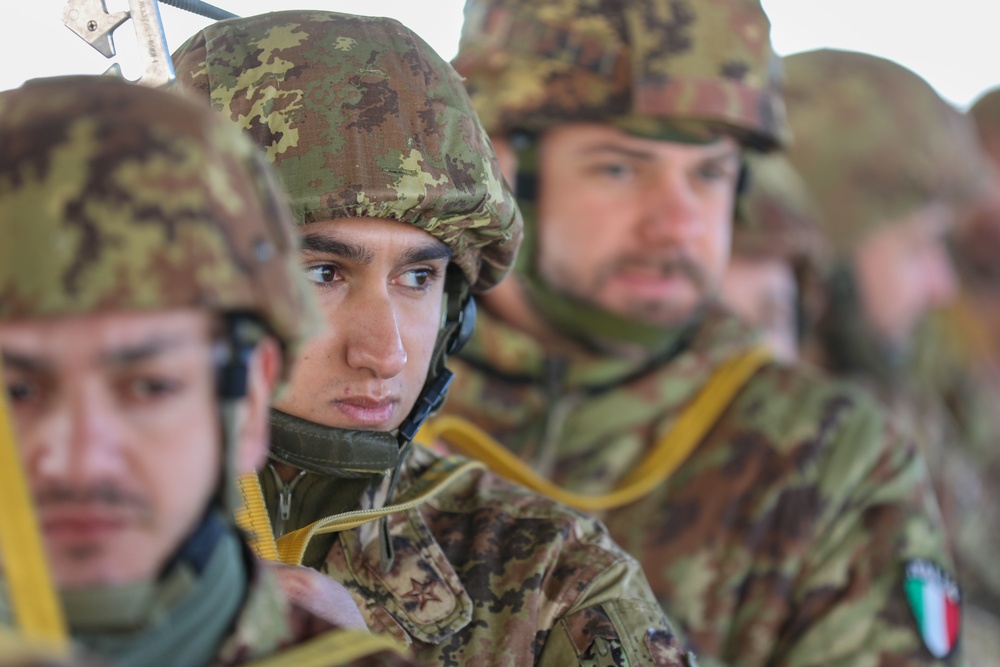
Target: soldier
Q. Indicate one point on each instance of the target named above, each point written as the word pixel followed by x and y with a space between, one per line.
pixel 957 362
pixel 149 302
pixel 403 213
pixel 977 238
pixel 773 278
pixel 889 179
pixel 777 516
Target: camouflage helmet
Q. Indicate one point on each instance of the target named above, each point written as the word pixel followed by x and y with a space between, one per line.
pixel 977 238
pixel 658 68
pixel 362 119
pixel 118 197
pixel 776 216
pixel 875 143
pixel 985 113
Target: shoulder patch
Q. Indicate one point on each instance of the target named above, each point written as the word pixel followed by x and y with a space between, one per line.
pixel 935 600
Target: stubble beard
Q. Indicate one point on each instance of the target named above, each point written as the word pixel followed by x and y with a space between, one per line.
pixel 655 312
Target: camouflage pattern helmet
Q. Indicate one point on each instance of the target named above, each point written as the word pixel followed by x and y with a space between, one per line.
pixel 116 197
pixel 362 119
pixel 977 241
pixel 875 143
pixel 776 216
pixel 985 113
pixel 671 69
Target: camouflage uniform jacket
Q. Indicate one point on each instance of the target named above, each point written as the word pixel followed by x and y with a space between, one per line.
pixel 268 624
pixel 487 573
pixel 780 541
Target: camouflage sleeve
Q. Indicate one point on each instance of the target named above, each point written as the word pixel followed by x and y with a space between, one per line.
pixel 876 587
pixel 616 622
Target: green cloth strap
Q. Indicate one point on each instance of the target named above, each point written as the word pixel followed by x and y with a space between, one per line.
pixel 181 620
pixel 332 451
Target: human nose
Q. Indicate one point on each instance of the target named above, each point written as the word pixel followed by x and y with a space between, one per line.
pixel 670 213
pixel 375 343
pixel 82 442
pixel 941 281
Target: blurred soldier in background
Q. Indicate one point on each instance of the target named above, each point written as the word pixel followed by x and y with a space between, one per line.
pixel 957 361
pixel 150 300
pixel 777 517
pixel 404 214
pixel 892 167
pixel 773 278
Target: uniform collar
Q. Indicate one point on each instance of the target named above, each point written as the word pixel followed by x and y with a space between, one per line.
pixel 511 354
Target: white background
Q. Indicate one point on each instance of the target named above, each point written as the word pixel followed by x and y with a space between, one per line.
pixel 954 44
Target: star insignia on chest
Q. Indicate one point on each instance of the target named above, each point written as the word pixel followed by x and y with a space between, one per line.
pixel 422 593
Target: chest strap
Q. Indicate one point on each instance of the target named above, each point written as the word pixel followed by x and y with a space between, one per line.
pixel 669 452
pixel 33 599
pixel 337 647
pixel 291 547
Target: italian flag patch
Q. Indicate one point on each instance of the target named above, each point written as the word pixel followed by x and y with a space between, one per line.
pixel 936 604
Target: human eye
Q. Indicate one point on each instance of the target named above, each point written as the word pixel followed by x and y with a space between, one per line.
pixel 716 171
pixel 614 170
pixel 418 279
pixel 150 387
pixel 323 274
pixel 23 390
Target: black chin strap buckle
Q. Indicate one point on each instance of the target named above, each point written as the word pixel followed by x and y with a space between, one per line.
pixel 232 356
pixel 430 400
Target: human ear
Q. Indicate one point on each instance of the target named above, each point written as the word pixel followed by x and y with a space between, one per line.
pixel 262 378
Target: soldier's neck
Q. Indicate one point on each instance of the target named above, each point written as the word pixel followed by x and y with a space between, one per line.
pixel 509 303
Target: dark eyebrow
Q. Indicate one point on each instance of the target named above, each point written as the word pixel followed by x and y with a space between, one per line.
pixel 132 354
pixel 621 150
pixel 351 252
pixel 425 252
pixel 19 362
pixel 727 153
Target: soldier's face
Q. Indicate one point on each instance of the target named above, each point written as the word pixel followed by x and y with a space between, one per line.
pixel 903 271
pixel 379 285
pixel 116 421
pixel 763 292
pixel 636 226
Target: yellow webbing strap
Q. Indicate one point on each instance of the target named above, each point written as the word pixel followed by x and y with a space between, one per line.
pixel 292 547
pixel 337 647
pixel 254 520
pixel 661 461
pixel 36 608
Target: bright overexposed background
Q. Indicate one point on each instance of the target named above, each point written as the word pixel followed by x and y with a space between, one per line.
pixel 952 43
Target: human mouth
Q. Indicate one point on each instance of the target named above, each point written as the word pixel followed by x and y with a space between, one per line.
pixel 653 282
pixel 367 412
pixel 75 526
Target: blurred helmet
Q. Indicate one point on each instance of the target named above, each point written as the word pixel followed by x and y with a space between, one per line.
pixel 985 113
pixel 671 69
pixel 115 197
pixel 875 143
pixel 776 216
pixel 362 119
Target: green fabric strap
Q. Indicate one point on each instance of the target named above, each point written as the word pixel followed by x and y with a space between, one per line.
pixel 181 620
pixel 332 451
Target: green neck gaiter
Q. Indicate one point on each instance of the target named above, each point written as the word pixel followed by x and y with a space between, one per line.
pixel 581 321
pixel 850 345
pixel 182 619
